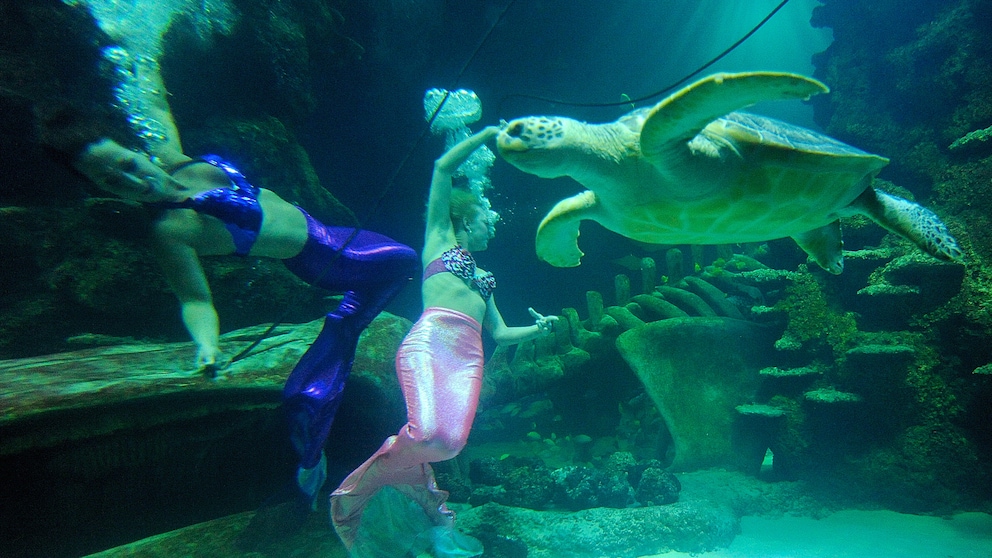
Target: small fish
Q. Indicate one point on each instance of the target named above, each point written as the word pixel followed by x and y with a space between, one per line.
pixel 537 408
pixel 630 262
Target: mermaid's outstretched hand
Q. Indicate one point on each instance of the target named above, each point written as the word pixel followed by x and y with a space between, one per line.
pixel 546 324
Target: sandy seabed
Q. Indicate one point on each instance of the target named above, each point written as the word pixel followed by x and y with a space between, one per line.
pixel 859 534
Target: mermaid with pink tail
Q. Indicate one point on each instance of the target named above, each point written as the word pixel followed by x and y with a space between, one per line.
pixel 439 366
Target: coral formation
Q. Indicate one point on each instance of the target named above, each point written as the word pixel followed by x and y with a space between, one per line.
pixel 619 481
pixel 840 366
pixel 972 140
pixel 696 393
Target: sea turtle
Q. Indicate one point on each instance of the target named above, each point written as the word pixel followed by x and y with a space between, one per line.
pixel 690 170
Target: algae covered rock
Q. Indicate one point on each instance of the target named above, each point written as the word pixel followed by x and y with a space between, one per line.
pixel 697 371
pixel 626 532
pixel 976 140
pixel 134 425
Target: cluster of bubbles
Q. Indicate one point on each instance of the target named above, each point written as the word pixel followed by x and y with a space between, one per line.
pixel 137 26
pixel 135 93
pixel 452 112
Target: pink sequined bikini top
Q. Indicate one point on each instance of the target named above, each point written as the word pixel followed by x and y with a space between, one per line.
pixel 460 263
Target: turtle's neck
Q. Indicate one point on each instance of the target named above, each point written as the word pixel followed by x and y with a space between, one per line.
pixel 599 149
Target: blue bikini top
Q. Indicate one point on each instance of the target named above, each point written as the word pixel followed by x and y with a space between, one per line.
pixel 235 205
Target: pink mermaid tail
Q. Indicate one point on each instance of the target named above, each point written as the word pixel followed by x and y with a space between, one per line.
pixel 416 482
pixel 439 366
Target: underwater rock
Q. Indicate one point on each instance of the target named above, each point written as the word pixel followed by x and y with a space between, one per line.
pixel 877 359
pixel 937 281
pixel 499 546
pixel 802 372
pixel 694 526
pixel 216 538
pixel 623 533
pixel 833 417
pixel 985 370
pixel 619 462
pixel 624 317
pixel 657 487
pixel 697 370
pixel 581 488
pixel 621 285
pixel 636 310
pixel 765 279
pixel 597 320
pixel 590 342
pixel 907 286
pixel 541 363
pixel 860 264
pixel 886 307
pixel 674 265
pixel 659 308
pixel 831 397
pixel 973 141
pixel 689 302
pixel 768 314
pixel 531 487
pixel 493 472
pixel 756 429
pixel 878 374
pixel 128 424
pixel 269 154
pixel 760 411
pixel 713 296
pixel 617 481
pixel 649 275
pixel 787 381
pixel 90 380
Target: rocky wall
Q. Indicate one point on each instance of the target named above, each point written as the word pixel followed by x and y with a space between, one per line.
pixel 77 270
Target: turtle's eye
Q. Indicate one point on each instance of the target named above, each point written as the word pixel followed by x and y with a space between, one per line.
pixel 515 130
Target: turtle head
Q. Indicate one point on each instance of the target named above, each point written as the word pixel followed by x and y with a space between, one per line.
pixel 537 145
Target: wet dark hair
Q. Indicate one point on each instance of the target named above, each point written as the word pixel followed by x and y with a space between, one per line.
pixel 66 130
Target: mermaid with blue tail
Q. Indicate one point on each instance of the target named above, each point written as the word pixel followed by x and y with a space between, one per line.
pixel 206 207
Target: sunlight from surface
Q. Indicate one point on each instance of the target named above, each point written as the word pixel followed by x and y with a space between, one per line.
pixel 643 46
pixel 141 23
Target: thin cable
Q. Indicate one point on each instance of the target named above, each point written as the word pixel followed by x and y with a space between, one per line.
pixel 667 88
pixel 390 183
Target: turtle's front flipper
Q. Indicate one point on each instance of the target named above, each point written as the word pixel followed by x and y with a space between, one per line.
pixel 558 234
pixel 824 246
pixel 679 118
pixel 910 220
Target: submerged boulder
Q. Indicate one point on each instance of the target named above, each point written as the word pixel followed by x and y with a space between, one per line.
pixel 697 371
pixel 111 444
pixel 685 527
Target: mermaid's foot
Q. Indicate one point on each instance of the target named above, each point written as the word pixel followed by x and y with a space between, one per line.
pixel 310 481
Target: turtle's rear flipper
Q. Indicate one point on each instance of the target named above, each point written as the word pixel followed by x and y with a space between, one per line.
pixel 911 220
